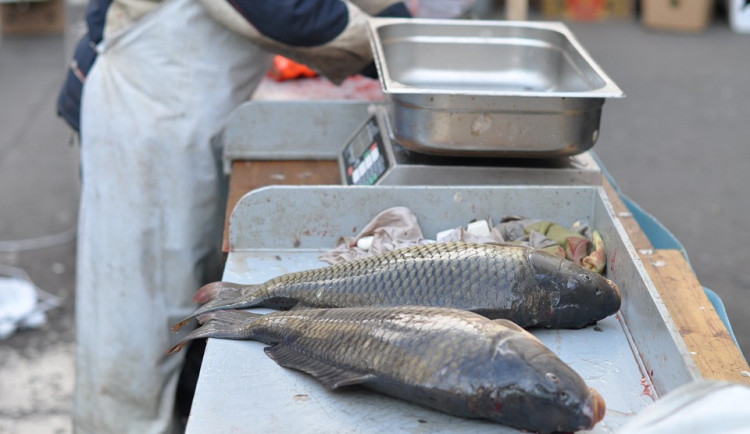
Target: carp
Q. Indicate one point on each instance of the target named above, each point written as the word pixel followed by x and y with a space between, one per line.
pixel 450 360
pixel 530 287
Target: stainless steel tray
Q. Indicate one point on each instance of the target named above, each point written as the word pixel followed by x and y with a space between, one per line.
pixel 493 88
pixel 280 229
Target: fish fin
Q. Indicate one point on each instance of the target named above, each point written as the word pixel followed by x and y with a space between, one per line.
pixel 229 318
pixel 220 295
pixel 212 290
pixel 227 324
pixel 181 324
pixel 513 326
pixel 509 243
pixel 331 377
pixel 509 324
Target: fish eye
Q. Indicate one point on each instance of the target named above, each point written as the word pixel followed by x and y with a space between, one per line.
pixel 552 377
pixel 586 277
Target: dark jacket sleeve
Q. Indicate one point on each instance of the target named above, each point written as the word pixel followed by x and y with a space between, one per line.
pixel 303 23
pixel 310 23
pixel 69 99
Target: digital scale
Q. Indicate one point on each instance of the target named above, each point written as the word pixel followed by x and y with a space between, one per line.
pixel 371 156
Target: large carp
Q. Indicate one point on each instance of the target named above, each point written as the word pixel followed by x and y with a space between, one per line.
pixel 530 287
pixel 447 359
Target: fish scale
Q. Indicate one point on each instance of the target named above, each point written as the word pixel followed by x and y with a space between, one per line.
pixel 447 359
pixel 524 285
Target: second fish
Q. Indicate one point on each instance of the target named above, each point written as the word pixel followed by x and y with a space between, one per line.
pixel 524 285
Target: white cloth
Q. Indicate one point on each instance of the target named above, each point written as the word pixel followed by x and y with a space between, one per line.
pixel 151 205
pixel 703 406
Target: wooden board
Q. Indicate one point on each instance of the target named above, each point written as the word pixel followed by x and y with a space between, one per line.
pixel 249 175
pixel 708 340
pixel 703 331
pixel 637 237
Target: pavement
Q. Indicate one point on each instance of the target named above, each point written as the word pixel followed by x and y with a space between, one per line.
pixel 38 199
pixel 678 144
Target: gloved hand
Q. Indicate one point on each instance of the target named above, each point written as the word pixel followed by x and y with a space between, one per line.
pixel 381 8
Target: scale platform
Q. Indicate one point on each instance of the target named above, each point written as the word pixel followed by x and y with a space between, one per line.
pixel 371 156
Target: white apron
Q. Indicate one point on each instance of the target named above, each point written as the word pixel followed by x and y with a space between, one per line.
pixel 151 206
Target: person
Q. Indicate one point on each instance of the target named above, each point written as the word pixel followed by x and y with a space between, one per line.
pixel 151 84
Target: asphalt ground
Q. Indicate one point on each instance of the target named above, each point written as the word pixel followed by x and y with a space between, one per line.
pixel 678 144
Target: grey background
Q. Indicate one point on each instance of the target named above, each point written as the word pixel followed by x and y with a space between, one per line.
pixel 678 144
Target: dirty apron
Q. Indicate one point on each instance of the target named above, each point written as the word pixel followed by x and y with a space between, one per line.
pixel 151 205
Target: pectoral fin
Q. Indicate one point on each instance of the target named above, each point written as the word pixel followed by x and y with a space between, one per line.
pixel 332 377
pixel 513 326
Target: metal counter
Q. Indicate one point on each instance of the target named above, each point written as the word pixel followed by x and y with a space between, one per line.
pixel 629 358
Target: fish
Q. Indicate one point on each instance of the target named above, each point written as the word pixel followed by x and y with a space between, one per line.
pixel 450 360
pixel 530 287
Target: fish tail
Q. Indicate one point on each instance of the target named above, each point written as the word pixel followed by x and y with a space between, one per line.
pixel 221 295
pixel 216 289
pixel 226 324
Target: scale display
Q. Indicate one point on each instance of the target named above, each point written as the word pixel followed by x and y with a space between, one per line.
pixel 364 157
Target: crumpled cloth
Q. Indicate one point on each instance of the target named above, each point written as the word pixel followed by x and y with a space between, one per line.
pixel 391 229
pixel 399 227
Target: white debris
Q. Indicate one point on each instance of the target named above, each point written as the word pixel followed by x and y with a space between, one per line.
pixel 20 305
pixel 365 243
pixel 17 301
pixel 479 228
pixel 448 235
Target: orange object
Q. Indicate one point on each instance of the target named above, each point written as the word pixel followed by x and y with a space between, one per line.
pixel 586 10
pixel 286 69
pixel 589 10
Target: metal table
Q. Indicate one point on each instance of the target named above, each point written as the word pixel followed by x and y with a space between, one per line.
pixel 241 390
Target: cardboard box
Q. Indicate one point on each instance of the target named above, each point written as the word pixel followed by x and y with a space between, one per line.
pixel 588 10
pixel 681 15
pixel 32 18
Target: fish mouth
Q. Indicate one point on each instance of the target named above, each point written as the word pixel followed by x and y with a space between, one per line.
pixel 594 409
pixel 614 285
